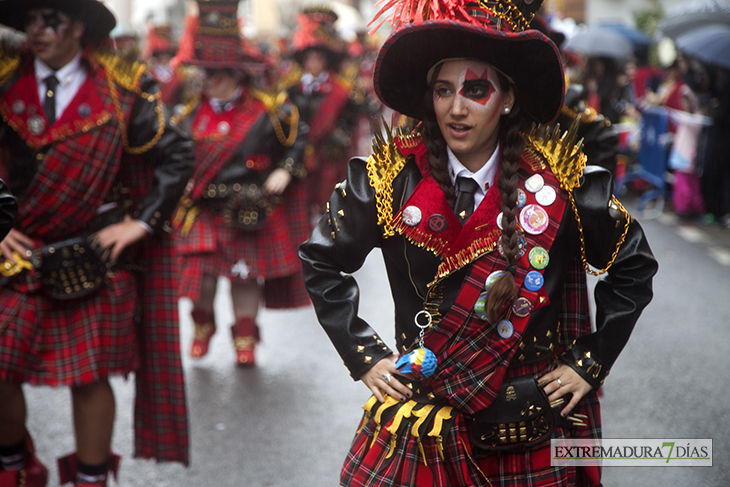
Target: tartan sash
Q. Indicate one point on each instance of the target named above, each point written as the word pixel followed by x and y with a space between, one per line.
pixel 214 149
pixel 83 151
pixel 328 112
pixel 473 358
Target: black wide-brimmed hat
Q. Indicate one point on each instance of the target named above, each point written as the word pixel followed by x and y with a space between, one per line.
pixel 496 32
pixel 97 18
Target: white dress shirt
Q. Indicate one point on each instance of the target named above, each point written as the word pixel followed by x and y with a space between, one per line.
pixel 484 176
pixel 70 78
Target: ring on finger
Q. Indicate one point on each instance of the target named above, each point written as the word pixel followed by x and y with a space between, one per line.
pixel 386 378
pixel 560 383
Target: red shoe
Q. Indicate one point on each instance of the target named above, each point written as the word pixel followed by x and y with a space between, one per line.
pixel 68 468
pixel 33 473
pixel 204 323
pixel 245 336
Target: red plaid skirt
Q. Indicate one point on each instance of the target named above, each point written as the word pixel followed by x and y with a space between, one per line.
pixel 371 463
pixel 270 253
pixel 44 341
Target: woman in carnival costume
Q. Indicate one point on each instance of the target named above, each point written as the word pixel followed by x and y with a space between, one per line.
pixel 487 228
pixel 243 214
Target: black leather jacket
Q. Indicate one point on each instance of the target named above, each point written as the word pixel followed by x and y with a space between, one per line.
pixel 349 231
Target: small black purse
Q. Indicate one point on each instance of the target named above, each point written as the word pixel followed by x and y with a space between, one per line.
pixel 519 418
pixel 72 268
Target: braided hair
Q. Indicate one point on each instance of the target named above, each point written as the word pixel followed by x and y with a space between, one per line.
pixel 504 290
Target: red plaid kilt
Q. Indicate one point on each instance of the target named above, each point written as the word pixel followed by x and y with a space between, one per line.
pixel 270 253
pixel 44 341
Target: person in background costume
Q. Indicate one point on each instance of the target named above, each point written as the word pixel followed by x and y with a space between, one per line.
pixel 88 268
pixel 243 213
pixel 600 137
pixel 158 52
pixel 327 101
pixel 487 229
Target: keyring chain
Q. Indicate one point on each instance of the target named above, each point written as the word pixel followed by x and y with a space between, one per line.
pixel 422 327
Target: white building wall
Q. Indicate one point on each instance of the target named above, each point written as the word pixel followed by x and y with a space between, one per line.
pixel 621 10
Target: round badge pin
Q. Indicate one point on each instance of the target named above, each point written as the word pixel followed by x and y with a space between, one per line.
pixel 534 219
pixel 499 220
pixel 505 329
pixel 492 279
pixel 84 110
pixel 411 215
pixel 480 307
pixel 36 125
pixel 521 246
pixel 534 281
pixel 534 183
pixel 546 196
pixel 522 307
pixel 539 258
pixel 18 107
pixel 437 223
pixel 521 198
pixel 223 128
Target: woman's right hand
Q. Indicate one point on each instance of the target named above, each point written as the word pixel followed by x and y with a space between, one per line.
pixel 375 380
pixel 15 241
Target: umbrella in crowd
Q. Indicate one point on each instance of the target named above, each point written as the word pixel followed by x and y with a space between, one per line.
pixel 693 15
pixel 637 38
pixel 709 44
pixel 600 41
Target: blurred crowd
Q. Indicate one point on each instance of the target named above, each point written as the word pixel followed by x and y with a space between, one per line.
pixel 671 116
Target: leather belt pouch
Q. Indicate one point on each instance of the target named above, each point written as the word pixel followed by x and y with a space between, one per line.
pixel 519 418
pixel 72 268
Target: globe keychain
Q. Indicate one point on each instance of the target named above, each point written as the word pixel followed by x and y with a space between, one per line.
pixel 421 362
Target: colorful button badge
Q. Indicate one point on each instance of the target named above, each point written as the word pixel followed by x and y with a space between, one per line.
pixel 411 215
pixel 534 219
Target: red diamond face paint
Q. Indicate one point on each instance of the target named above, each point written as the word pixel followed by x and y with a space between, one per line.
pixel 468 103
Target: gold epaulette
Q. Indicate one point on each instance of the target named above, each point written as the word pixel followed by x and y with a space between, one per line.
pixel 564 155
pixel 273 101
pixel 383 166
pixel 126 71
pixel 9 61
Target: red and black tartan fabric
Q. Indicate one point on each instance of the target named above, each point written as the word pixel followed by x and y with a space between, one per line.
pixel 91 338
pixel 212 247
pixel 367 463
pixel 324 171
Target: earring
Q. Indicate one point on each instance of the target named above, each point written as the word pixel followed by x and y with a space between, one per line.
pixel 506 110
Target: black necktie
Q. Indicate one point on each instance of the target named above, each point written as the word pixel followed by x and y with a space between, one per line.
pixel 465 189
pixel 49 104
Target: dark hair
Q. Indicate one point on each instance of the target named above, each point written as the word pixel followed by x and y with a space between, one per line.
pixel 511 146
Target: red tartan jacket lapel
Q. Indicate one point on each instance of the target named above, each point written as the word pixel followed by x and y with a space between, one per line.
pixel 215 149
pixel 328 112
pixel 22 110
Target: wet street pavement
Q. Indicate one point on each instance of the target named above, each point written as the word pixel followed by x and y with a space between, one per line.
pixel 288 422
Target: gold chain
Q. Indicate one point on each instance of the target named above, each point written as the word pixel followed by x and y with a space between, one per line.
pixel 123 128
pixel 293 122
pixel 587 266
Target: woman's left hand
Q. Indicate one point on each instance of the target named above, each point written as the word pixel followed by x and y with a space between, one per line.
pixel 277 181
pixel 564 380
pixel 118 236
